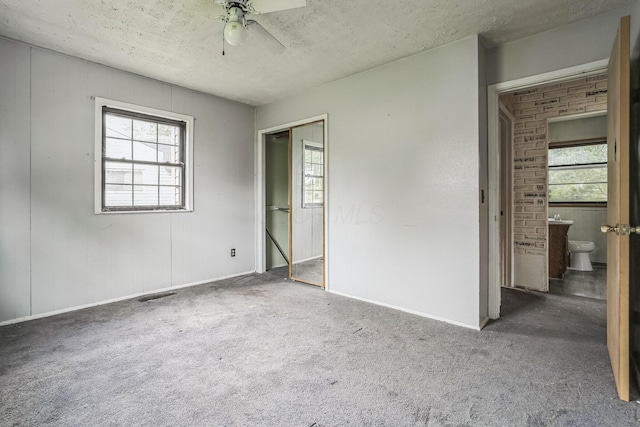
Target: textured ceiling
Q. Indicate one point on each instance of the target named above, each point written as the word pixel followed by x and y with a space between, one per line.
pixel 327 40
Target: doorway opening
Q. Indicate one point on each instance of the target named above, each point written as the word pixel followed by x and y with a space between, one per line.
pixel 525 264
pixel 577 205
pixel 277 209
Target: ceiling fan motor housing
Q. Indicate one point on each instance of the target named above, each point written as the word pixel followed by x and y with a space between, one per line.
pixel 235 32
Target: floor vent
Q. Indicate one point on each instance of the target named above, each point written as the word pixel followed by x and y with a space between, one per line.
pixel 156 296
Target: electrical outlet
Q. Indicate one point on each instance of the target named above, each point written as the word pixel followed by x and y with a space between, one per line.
pixel 233 252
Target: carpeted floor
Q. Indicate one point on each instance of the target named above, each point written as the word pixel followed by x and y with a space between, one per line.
pixel 258 350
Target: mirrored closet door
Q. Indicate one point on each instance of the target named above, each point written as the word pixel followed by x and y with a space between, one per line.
pixel 307 195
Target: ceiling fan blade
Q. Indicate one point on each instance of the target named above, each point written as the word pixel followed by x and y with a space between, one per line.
pixel 266 6
pixel 204 33
pixel 210 23
pixel 265 37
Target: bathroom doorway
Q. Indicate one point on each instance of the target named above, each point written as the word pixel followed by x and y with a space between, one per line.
pixel 531 108
pixel 577 105
pixel 577 204
pixel 622 168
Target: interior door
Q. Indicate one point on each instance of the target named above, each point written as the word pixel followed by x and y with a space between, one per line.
pixel 618 209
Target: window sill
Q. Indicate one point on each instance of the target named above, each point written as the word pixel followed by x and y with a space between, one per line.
pixel 144 211
pixel 577 204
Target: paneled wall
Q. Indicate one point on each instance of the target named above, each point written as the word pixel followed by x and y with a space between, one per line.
pixel 531 109
pixel 56 253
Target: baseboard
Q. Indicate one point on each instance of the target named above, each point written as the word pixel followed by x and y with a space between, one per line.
pixel 406 310
pixel 109 301
pixel 277 266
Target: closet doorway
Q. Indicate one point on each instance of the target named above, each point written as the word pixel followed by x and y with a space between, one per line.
pixel 293 205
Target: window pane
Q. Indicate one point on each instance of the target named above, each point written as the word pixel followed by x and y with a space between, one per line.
pixel 117 148
pixel 116 126
pixel 146 174
pixel 578 155
pixel 317 184
pixel 149 171
pixel 117 195
pixel 170 196
pixel 146 151
pixel 145 195
pixel 307 155
pixel 581 175
pixel 168 134
pixel 578 192
pixel 170 175
pixel 117 173
pixel 145 131
pixel 308 169
pixel 317 197
pixel 168 153
pixel 317 170
pixel 308 196
pixel 316 156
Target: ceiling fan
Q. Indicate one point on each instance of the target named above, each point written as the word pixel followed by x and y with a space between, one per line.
pixel 237 25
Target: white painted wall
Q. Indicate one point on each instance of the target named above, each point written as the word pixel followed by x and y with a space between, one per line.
pixel 15 181
pixel 484 181
pixel 581 42
pixel 403 165
pixel 56 254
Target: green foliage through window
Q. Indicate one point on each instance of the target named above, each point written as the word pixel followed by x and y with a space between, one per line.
pixel 578 174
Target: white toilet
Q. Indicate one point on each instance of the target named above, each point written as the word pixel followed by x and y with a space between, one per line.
pixel 580 251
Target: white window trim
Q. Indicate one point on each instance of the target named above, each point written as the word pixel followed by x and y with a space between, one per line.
pixel 97 161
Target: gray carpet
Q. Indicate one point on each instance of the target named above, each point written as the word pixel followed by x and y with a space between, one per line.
pixel 262 351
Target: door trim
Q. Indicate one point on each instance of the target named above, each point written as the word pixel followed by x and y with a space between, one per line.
pixel 259 184
pixel 493 93
pixel 506 214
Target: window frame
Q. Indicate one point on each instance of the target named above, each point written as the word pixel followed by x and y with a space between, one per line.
pixel 570 144
pixel 103 105
pixel 314 147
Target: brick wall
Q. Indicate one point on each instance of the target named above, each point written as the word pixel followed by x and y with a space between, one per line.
pixel 531 108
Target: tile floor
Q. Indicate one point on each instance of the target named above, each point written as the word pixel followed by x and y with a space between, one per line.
pixel 589 284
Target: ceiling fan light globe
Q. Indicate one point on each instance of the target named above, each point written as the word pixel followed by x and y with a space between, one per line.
pixel 234 33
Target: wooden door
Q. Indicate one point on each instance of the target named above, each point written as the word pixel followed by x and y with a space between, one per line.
pixel 618 209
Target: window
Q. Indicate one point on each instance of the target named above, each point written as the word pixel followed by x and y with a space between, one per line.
pixel 142 159
pixel 313 179
pixel 578 173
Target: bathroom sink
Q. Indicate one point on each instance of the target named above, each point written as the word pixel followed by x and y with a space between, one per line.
pixel 560 221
